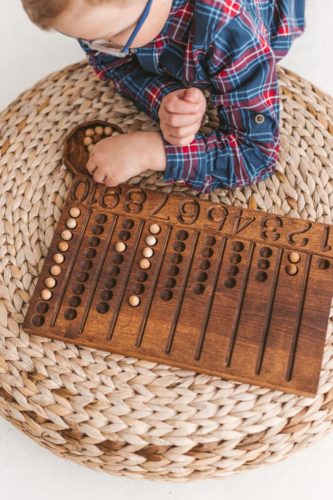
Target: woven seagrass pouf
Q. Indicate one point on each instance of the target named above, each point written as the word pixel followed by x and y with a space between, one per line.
pixel 119 414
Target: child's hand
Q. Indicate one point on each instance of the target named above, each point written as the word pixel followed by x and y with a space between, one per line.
pixel 181 114
pixel 115 159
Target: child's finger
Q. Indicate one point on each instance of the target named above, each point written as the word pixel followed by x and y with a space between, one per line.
pixel 99 176
pixel 181 132
pixel 192 94
pixel 94 170
pixel 91 165
pixel 108 181
pixel 180 141
pixel 181 120
pixel 177 105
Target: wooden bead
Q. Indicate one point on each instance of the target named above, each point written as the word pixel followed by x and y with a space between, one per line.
pixel 155 228
pixel 291 269
pixel 58 258
pixel 144 264
pixel 147 252
pixel 134 300
pixel 120 246
pixel 151 240
pixel 71 223
pixel 99 130
pixel 116 132
pixel 90 132
pixel 66 235
pixel 108 131
pixel 46 294
pixel 50 282
pixel 55 270
pixel 90 147
pixel 87 141
pixel 97 138
pixel 294 257
pixel 63 246
pixel 75 212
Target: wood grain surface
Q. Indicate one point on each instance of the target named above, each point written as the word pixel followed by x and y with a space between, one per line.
pixel 172 278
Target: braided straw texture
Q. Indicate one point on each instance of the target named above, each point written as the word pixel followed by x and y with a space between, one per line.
pixel 118 414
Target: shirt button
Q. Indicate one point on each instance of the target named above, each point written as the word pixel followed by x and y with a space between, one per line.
pixel 259 118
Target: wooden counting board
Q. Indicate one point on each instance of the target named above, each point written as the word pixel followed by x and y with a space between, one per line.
pixel 176 279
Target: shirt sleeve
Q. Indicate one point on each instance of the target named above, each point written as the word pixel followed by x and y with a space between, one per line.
pixel 244 89
pixel 145 89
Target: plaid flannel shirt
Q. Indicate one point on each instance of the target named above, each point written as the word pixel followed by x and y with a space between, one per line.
pixel 230 47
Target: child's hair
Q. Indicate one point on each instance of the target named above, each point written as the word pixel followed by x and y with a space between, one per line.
pixel 42 12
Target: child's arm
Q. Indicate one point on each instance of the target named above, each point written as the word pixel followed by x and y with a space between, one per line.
pixel 244 149
pixel 145 89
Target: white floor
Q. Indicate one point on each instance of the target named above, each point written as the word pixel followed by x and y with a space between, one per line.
pixel 30 472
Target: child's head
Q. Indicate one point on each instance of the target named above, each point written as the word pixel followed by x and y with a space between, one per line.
pixel 88 19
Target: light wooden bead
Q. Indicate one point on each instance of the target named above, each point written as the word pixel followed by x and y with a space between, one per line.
pixel 120 246
pixel 87 141
pixel 291 269
pixel 134 300
pixel 58 258
pixel 144 264
pixel 75 212
pixel 294 257
pixel 90 132
pixel 46 294
pixel 63 246
pixel 151 240
pixel 71 223
pixel 90 147
pixel 155 228
pixel 55 270
pixel 50 282
pixel 99 130
pixel 147 252
pixel 108 131
pixel 66 235
pixel 116 132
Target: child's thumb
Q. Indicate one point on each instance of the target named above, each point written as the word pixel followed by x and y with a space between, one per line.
pixel 192 94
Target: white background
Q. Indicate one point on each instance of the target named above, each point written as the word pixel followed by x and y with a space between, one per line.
pixel 28 471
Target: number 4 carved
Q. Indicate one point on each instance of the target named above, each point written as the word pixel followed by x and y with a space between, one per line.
pixel 241 222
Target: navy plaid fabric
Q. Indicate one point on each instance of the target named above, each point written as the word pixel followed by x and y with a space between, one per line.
pixel 232 48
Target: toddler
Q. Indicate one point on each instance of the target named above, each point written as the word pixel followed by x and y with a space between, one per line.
pixel 159 54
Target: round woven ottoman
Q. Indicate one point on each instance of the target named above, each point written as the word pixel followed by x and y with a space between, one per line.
pixel 115 413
